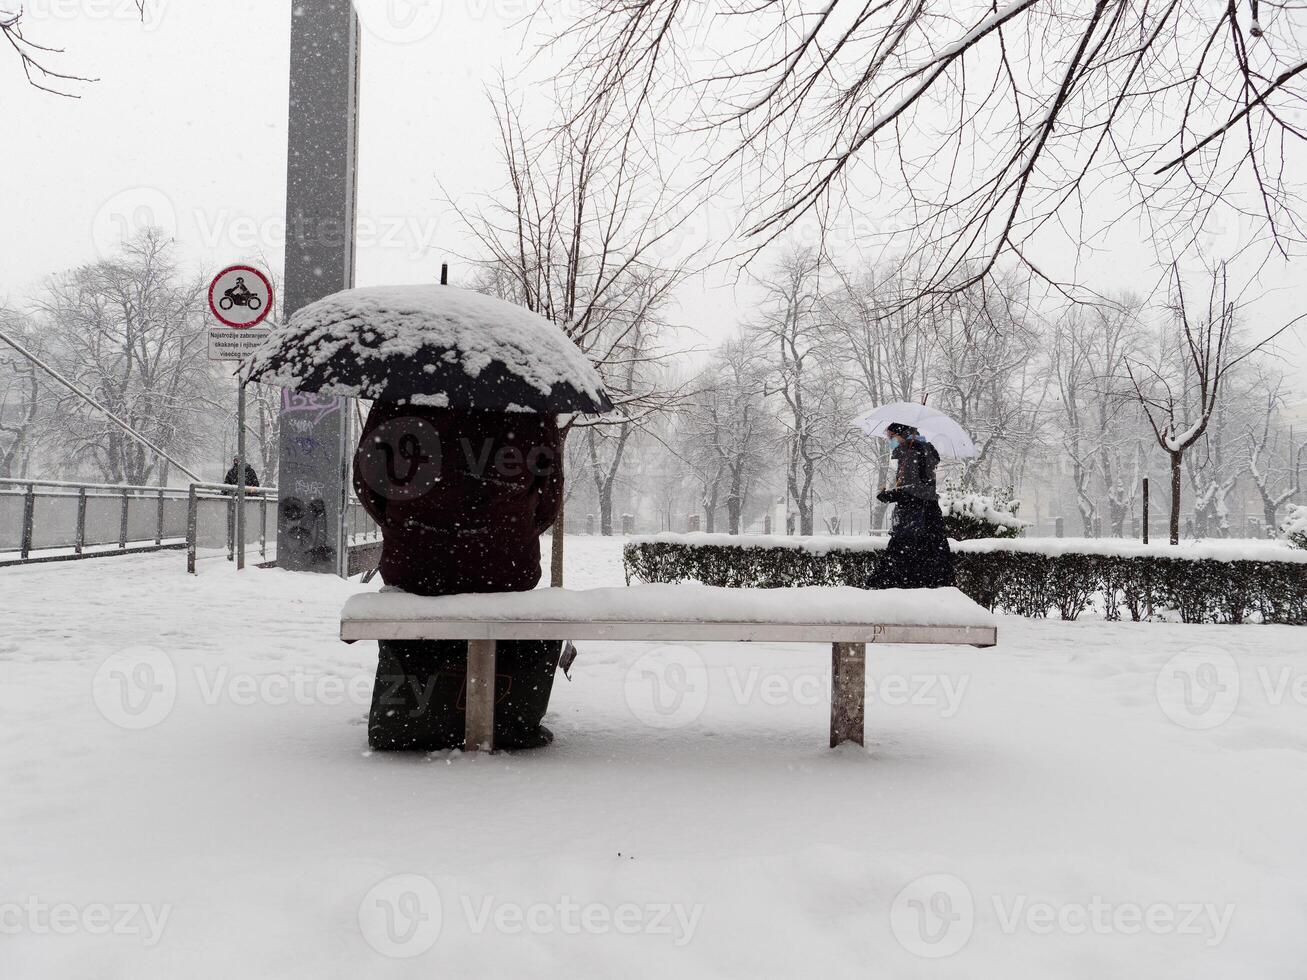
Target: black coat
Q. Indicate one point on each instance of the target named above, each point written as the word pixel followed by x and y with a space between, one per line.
pixel 233 477
pixel 477 527
pixel 917 555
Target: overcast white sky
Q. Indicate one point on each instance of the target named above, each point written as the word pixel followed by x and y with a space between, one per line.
pixel 187 124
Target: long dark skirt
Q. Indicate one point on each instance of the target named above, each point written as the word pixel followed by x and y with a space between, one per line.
pixel 917 555
pixel 420 698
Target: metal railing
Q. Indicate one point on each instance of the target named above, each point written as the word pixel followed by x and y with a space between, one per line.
pixel 211 522
pixel 52 520
pixel 61 520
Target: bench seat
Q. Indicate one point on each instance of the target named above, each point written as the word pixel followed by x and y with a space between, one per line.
pixel 845 617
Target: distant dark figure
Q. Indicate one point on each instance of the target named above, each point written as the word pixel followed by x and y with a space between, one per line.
pixel 232 479
pixel 917 556
pixel 233 475
pixel 462 498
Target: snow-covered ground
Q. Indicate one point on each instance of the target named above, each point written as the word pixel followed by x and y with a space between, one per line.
pixel 186 791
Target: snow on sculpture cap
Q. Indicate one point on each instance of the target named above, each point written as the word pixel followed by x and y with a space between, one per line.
pixel 439 344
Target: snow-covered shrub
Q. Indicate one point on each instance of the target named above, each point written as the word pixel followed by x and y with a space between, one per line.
pixel 989 514
pixel 1293 527
pixel 1025 578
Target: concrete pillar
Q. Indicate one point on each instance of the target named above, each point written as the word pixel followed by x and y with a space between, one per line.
pixel 320 193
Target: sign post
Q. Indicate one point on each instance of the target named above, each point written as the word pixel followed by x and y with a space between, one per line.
pixel 321 165
pixel 240 475
pixel 1145 510
pixel 240 297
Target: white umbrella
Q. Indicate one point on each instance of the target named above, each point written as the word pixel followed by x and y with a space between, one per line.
pixel 943 433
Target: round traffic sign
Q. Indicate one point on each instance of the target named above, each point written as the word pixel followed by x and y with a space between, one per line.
pixel 240 296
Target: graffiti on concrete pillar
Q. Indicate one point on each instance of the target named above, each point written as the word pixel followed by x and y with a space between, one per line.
pixel 311 470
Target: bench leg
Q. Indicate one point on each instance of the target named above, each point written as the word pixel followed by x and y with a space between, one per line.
pixel 479 730
pixel 848 691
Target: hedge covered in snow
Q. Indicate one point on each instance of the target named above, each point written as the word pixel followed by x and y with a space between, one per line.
pixel 1201 582
pixel 969 515
pixel 1294 526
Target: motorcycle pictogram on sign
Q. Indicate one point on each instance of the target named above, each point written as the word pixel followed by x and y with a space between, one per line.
pixel 240 296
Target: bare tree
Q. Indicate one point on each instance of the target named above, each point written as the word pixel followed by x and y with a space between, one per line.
pixel 888 342
pixel 37 60
pixel 657 475
pixel 726 433
pixel 1118 461
pixel 1275 476
pixel 1073 367
pixel 130 330
pixel 988 374
pixel 606 444
pixel 23 399
pixel 263 410
pixel 804 375
pixel 578 240
pixel 1214 468
pixel 1087 351
pixel 1181 393
pixel 989 123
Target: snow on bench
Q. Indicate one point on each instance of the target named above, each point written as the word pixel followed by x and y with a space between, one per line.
pixel 845 617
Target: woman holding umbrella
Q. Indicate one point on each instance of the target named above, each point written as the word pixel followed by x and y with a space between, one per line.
pixel 917 556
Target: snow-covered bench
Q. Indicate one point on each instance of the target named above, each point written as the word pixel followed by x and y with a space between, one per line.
pixel 845 617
